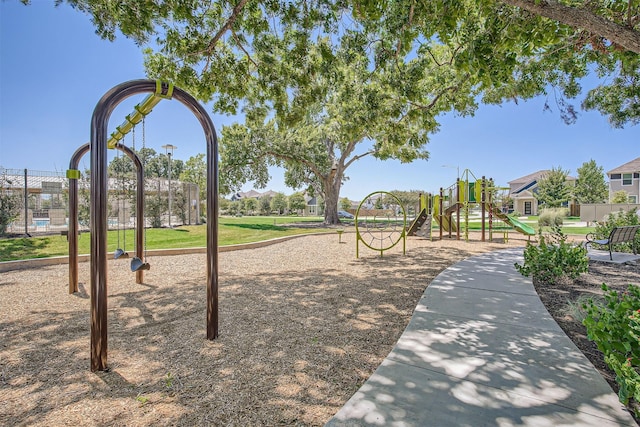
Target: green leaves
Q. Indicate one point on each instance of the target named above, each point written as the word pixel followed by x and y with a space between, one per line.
pixel 553 259
pixel 553 189
pixel 614 325
pixel 591 186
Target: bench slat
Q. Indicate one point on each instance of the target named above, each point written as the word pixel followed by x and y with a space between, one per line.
pixel 622 234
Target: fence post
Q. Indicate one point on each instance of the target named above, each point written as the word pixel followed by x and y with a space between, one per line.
pixel 26 205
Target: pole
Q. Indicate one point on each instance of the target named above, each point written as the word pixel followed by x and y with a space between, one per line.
pixel 168 148
pixel 26 205
pixel 169 154
pixel 189 201
pixel 482 204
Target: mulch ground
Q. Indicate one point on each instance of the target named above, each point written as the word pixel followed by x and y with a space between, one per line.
pixel 303 324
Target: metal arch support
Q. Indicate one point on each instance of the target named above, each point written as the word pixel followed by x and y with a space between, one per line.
pixel 73 210
pixel 99 184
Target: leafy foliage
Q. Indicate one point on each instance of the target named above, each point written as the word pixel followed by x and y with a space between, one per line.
pixel 279 203
pixel 345 203
pixel 615 328
pixel 553 190
pixel 618 219
pixel 553 258
pixel 10 204
pixel 591 186
pixel 297 202
pixel 195 171
pixel 554 216
pixel 264 204
pixel 620 196
pixel 325 83
pixel 509 49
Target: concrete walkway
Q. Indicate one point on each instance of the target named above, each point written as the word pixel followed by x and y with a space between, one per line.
pixel 481 350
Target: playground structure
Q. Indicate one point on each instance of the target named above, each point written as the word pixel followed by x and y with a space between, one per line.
pixel 74 174
pixel 381 222
pixel 451 210
pixel 99 189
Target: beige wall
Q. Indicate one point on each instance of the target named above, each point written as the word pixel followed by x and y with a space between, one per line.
pixel 597 211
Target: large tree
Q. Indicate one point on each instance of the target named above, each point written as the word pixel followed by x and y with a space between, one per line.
pixel 553 190
pixel 276 59
pixel 344 112
pixel 591 186
pixel 211 48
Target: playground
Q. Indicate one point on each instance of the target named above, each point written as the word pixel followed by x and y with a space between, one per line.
pixel 303 324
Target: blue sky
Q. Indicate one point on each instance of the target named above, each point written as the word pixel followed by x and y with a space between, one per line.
pixel 54 69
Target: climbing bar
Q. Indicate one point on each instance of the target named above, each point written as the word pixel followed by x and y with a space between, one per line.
pixel 163 91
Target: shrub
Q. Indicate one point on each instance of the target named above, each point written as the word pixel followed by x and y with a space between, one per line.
pixel 553 258
pixel 554 216
pixel 617 219
pixel 614 326
pixel 10 204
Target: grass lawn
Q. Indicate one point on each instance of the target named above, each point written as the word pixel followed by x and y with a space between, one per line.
pixel 231 231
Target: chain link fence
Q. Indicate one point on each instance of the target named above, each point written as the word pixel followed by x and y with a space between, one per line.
pixel 43 199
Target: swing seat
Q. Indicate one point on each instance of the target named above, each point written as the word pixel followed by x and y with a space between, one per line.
pixel 137 264
pixel 119 253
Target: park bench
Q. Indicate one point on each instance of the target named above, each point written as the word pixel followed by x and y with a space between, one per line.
pixel 623 234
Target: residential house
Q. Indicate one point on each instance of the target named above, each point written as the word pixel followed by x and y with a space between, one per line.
pixel 523 192
pixel 626 177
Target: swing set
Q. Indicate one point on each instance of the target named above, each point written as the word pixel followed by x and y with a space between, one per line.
pixel 98 204
pixel 73 174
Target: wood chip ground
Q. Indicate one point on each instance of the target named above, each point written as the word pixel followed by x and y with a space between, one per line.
pixel 303 324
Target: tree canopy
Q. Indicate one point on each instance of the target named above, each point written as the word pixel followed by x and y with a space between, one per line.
pixel 512 49
pixel 553 190
pixel 591 186
pixel 343 79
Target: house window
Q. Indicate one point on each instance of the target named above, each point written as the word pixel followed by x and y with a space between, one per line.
pixel 627 178
pixel 633 199
pixel 527 208
pixel 616 176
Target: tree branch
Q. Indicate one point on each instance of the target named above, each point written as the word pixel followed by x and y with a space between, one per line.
pixel 358 157
pixel 227 26
pixel 235 37
pixel 580 18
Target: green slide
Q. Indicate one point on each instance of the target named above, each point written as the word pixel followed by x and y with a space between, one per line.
pixel 519 226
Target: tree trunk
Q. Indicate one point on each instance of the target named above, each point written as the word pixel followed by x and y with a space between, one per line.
pixel 331 186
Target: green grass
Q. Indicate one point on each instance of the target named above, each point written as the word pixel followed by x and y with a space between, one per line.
pixel 231 231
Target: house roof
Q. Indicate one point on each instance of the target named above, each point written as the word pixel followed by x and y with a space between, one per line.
pixel 526 194
pixel 528 181
pixel 632 166
pixel 528 178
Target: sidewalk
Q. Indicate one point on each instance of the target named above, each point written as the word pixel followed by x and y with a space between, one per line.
pixel 481 350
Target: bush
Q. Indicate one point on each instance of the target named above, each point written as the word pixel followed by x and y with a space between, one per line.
pixel 614 326
pixel 10 204
pixel 617 219
pixel 553 258
pixel 554 216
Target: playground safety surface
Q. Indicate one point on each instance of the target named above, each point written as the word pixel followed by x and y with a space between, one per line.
pixel 303 325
